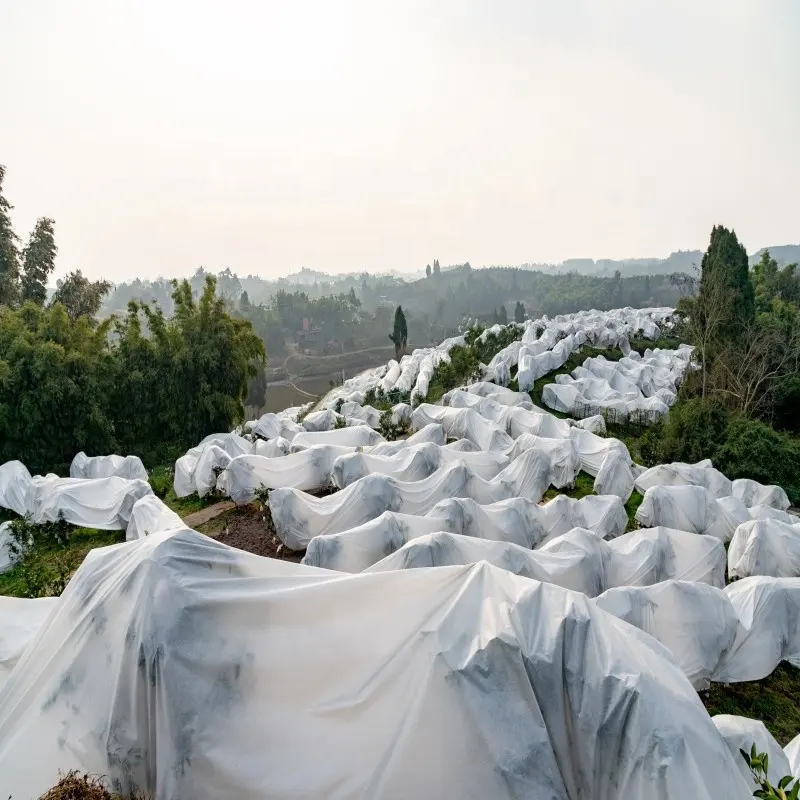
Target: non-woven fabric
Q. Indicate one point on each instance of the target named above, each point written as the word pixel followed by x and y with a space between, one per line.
pixel 694 620
pixel 150 515
pixel 130 467
pixel 765 547
pixel 104 503
pixel 15 483
pixel 20 621
pixel 752 493
pixel 741 733
pixel 522 689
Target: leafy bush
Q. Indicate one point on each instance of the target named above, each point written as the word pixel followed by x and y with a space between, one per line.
pixel 160 480
pixel 692 431
pixel 752 449
pixel 391 430
pixel 788 787
pixel 41 577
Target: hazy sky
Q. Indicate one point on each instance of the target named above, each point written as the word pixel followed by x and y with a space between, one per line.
pixel 379 134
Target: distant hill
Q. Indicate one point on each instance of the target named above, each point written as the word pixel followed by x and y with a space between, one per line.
pixel 783 253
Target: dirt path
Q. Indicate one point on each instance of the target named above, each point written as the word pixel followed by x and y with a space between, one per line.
pixel 207 514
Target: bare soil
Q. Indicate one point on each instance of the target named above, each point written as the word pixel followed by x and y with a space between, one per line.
pixel 245 529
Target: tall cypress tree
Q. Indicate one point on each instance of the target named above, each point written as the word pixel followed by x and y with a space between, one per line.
pixel 39 261
pixel 9 251
pixel 399 335
pixel 725 268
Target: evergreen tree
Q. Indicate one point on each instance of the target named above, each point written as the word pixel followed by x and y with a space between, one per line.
pixel 399 335
pixel 80 296
pixel 495 317
pixel 503 317
pixel 428 271
pixel 39 261
pixel 725 270
pixel 9 251
pixel 519 312
pixel 436 268
pixel 244 302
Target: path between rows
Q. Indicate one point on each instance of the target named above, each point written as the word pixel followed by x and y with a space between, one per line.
pixel 207 514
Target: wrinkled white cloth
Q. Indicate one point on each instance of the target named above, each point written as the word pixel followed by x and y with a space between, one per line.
pixel 522 688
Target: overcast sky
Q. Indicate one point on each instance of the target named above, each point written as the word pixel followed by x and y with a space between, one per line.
pixel 378 134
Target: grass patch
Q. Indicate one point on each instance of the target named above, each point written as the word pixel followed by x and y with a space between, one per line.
pixel 584 485
pixel 48 559
pixel 632 506
pixel 774 700
pixel 161 481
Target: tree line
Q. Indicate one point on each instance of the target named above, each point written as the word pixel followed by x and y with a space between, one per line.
pixel 740 407
pixel 140 383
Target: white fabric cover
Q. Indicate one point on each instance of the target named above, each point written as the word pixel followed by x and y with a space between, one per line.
pixel 650 555
pixel 130 467
pixel 695 621
pixel 299 517
pixel 561 453
pixel 15 482
pixel 765 547
pixel 516 520
pixel 104 503
pixel 522 689
pixel 150 515
pixel 680 474
pixel 274 426
pixel 463 423
pixel 324 420
pixel 6 561
pixel 741 733
pixel 430 433
pixel 359 436
pixel 185 467
pixel 752 493
pixel 401 414
pixel 769 628
pixel 20 621
pixel 371 416
pixel 271 448
pixel 687 508
pixel 593 449
pixel 792 752
pixel 413 463
pixel 615 476
pixel 307 470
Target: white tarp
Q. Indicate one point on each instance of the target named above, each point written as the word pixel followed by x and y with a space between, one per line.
pixel 130 467
pixel 358 436
pixel 521 689
pixel 687 508
pixel 680 474
pixel 752 493
pixel 792 752
pixel 6 560
pixel 299 517
pixel 150 515
pixel 104 503
pixel 274 426
pixel 593 449
pixel 741 733
pixel 516 520
pixel 695 621
pixel 561 453
pixel 20 621
pixel 15 482
pixel 615 476
pixel 414 463
pixel 463 423
pixel 307 470
pixel 184 481
pixel 769 628
pixel 765 547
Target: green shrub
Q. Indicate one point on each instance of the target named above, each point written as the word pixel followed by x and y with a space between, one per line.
pixel 160 480
pixel 788 788
pixel 391 430
pixel 754 450
pixel 693 430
